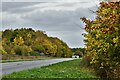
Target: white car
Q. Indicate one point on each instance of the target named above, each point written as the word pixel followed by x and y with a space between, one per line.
pixel 75 56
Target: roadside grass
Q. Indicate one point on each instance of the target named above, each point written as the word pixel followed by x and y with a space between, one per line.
pixel 16 58
pixel 67 69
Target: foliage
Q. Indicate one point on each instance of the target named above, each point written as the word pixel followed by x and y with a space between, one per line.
pixel 60 71
pixel 103 39
pixel 19 50
pixel 29 42
pixel 78 51
pixel 34 53
pixel 18 41
pixel 38 48
pixel 3 51
pixel 85 62
pixel 61 48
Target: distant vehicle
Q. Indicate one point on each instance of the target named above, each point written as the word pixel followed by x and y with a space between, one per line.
pixel 75 56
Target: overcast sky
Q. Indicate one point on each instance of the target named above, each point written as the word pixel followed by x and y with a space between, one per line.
pixel 59 18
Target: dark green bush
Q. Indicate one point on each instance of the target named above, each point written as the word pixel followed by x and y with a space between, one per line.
pixel 19 50
pixel 38 48
pixel 34 53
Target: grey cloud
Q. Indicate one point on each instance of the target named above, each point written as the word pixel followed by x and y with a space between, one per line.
pixel 20 10
pixel 54 19
pixel 59 19
pixel 64 24
pixel 7 6
pixel 67 4
pixel 73 38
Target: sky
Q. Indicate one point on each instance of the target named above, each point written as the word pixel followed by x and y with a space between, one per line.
pixel 58 18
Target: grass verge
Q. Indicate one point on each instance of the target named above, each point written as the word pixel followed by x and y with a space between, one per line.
pixel 18 60
pixel 67 69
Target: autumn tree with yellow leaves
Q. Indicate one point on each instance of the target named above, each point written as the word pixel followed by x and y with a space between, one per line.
pixel 18 41
pixel 103 40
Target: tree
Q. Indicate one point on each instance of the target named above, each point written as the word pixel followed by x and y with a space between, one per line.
pixel 103 39
pixel 38 48
pixel 18 41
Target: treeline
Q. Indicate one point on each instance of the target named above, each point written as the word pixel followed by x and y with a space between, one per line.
pixel 28 42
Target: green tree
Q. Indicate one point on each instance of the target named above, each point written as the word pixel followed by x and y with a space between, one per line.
pixel 38 48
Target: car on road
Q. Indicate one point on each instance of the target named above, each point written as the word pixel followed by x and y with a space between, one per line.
pixel 75 56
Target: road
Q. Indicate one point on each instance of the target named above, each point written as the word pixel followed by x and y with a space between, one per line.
pixel 11 67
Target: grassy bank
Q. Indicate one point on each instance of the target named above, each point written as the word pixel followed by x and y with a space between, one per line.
pixel 67 69
pixel 18 60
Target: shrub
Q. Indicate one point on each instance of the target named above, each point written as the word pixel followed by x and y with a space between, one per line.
pixel 34 53
pixel 7 49
pixel 38 48
pixel 26 50
pixel 85 62
pixel 19 50
pixel 2 50
pixel 22 50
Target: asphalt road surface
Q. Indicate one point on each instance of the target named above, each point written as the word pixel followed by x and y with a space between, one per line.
pixel 11 67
